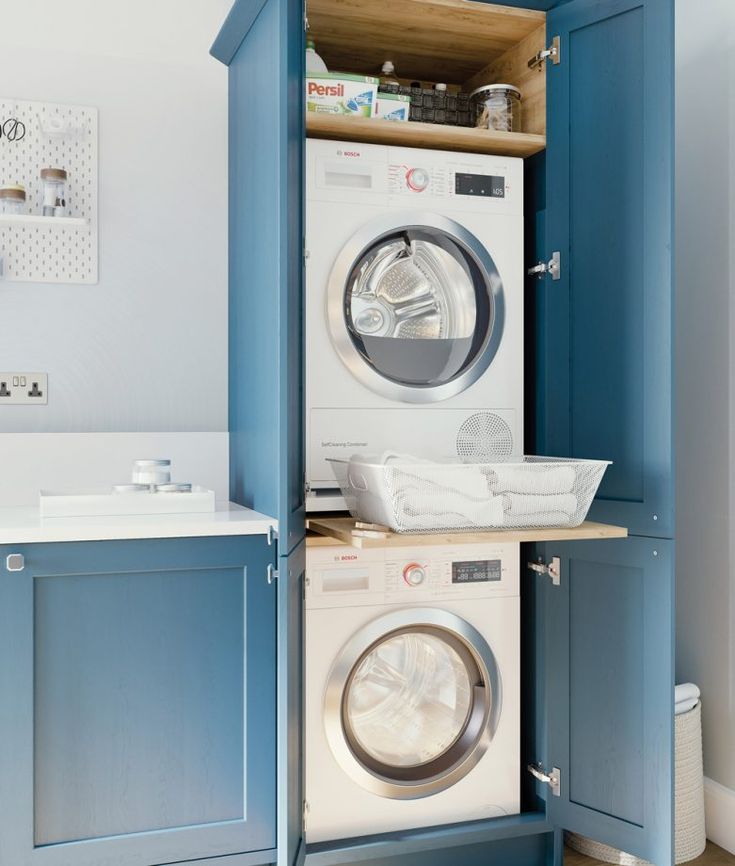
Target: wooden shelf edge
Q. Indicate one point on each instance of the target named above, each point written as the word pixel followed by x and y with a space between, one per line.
pixel 339 531
pixel 429 135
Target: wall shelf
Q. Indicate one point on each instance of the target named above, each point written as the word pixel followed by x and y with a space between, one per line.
pixel 429 135
pixel 27 219
pixel 339 531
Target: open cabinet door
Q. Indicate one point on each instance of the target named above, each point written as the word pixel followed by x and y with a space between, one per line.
pixel 607 342
pixel 609 694
pixel 604 368
pixel 262 42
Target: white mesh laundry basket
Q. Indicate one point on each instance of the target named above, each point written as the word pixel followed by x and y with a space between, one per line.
pixel 412 495
pixel 690 836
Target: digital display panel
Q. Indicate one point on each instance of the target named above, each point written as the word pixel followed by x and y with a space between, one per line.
pixel 487 185
pixel 477 571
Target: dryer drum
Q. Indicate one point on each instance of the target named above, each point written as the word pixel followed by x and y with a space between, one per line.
pixel 411 712
pixel 415 307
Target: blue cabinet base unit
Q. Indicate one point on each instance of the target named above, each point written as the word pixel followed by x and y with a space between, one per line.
pixel 137 724
pixel 451 841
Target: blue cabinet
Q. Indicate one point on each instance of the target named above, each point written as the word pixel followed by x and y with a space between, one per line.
pixel 599 385
pixel 607 659
pixel 137 710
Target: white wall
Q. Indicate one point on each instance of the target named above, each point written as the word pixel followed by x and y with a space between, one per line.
pixel 705 238
pixel 146 348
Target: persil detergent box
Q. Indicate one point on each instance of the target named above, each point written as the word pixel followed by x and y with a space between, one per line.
pixel 337 93
pixel 393 106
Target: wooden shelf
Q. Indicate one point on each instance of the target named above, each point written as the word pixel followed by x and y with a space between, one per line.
pixel 428 135
pixel 339 530
pixel 437 40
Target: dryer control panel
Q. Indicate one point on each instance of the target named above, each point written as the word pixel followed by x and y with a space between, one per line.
pixel 347 577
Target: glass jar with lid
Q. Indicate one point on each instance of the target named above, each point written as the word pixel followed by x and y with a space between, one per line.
pixel 12 198
pixel 497 107
pixel 54 191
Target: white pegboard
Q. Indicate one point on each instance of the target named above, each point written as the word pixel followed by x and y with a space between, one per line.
pixel 58 136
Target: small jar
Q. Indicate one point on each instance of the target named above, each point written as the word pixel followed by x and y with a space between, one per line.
pixel 498 107
pixel 12 198
pixel 151 472
pixel 54 191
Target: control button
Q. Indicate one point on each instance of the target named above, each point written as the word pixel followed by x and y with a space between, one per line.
pixel 417 179
pixel 414 574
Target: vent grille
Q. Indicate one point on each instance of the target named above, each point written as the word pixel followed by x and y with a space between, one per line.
pixel 484 437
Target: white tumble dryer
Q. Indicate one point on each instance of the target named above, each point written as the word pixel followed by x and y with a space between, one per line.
pixel 414 304
pixel 412 687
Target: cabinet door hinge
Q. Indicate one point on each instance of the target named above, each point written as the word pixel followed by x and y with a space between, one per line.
pixel 271 573
pixel 552 267
pixel 304 813
pixel 551 778
pixel 553 569
pixel 553 53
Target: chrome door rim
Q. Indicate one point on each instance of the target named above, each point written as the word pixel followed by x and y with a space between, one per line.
pixel 368 235
pixel 479 729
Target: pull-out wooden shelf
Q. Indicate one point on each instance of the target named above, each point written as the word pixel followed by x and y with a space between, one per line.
pixel 338 530
pixel 429 135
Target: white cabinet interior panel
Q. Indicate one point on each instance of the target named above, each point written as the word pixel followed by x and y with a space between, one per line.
pixel 38 135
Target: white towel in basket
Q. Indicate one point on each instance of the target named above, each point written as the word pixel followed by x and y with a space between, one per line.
pixel 415 509
pixel 541 479
pixel 433 495
pixel 430 479
pixel 521 504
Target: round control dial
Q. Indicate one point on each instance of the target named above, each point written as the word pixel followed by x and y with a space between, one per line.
pixel 417 179
pixel 414 574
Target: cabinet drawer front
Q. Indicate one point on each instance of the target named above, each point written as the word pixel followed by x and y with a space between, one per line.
pixel 142 676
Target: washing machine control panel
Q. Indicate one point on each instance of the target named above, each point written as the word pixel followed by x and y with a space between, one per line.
pixel 341 577
pixel 460 182
pixel 475 571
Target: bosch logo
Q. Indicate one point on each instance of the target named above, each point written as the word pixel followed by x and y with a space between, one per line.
pixel 348 153
pixel 348 557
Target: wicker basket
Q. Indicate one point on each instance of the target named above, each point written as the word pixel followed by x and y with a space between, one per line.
pixel 689 799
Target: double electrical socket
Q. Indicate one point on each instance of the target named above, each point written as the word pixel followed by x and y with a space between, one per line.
pixel 23 389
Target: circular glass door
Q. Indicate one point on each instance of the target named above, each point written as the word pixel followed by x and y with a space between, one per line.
pixel 416 309
pixel 417 708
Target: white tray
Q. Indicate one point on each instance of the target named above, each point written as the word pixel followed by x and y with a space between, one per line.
pixel 93 503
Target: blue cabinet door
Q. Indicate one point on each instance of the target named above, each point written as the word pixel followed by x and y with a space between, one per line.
pixel 607 329
pixel 137 702
pixel 608 649
pixel 262 43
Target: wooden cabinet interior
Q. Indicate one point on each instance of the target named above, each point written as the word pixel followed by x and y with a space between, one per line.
pixel 459 42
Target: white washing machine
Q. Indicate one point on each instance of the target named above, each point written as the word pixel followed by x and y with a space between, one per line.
pixel 414 305
pixel 412 687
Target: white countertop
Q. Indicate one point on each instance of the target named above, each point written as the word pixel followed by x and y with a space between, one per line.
pixel 26 526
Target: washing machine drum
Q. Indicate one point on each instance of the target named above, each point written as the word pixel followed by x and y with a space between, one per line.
pixel 412 711
pixel 416 307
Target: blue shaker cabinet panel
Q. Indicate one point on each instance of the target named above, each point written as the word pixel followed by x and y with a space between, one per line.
pixel 608 648
pixel 262 43
pixel 607 364
pixel 137 719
